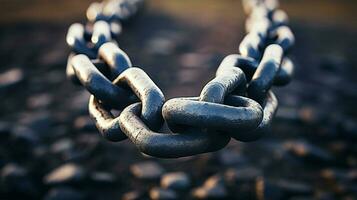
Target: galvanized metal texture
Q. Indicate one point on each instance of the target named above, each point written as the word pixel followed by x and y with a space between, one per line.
pixel 238 103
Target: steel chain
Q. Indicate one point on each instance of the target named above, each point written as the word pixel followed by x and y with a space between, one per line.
pixel 237 103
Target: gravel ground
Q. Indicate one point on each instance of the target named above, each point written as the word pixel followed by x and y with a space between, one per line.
pixel 50 148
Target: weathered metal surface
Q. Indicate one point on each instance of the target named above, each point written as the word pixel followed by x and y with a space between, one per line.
pixel 239 115
pixel 168 145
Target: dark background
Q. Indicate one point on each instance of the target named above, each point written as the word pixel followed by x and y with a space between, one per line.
pixel 44 123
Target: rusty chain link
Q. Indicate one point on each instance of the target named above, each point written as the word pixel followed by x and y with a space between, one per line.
pixel 238 103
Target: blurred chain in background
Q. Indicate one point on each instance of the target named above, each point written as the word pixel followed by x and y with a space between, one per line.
pixel 238 103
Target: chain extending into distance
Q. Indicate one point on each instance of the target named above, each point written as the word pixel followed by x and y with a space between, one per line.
pixel 238 103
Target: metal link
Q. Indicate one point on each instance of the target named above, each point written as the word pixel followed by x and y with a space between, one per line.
pixel 250 5
pixel 75 39
pixel 113 10
pixel 279 18
pixel 71 75
pixel 210 111
pixel 105 121
pixel 265 74
pixel 250 46
pixel 285 73
pixel 116 58
pixel 240 114
pixel 284 37
pixel 229 79
pixel 250 65
pixel 271 5
pixel 98 85
pixel 168 145
pixel 259 26
pixel 269 110
pixel 237 103
pixel 94 12
pixel 150 95
pixel 115 28
pixel 101 33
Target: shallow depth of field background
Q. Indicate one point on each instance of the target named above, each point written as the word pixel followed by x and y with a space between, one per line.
pixel 49 148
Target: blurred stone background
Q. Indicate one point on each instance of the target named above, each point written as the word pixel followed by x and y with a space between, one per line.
pixel 50 149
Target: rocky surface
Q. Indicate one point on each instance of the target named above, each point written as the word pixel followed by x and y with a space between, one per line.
pixel 147 170
pixel 176 181
pixel 50 149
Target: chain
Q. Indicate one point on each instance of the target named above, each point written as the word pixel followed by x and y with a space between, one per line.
pixel 238 103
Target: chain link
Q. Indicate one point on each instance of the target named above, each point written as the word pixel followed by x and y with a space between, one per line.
pixel 238 103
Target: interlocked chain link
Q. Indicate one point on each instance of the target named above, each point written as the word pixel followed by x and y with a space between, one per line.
pixel 238 103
